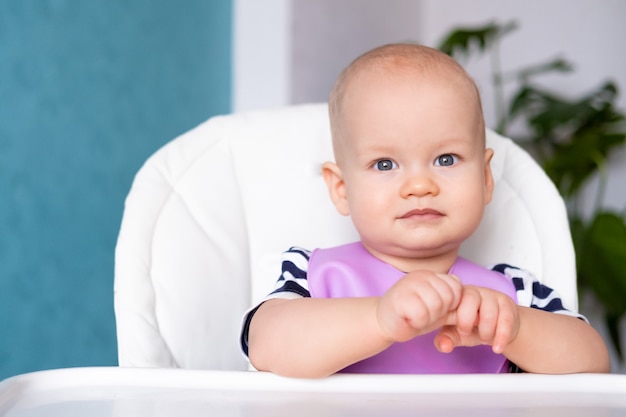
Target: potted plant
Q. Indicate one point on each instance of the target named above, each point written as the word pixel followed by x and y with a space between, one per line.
pixel 572 139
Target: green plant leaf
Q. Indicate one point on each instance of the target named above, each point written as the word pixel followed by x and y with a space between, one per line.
pixel 556 65
pixel 601 261
pixel 571 138
pixel 612 325
pixel 464 41
pixel 601 250
pixel 573 163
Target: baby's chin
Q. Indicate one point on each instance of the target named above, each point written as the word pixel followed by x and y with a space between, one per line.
pixel 413 258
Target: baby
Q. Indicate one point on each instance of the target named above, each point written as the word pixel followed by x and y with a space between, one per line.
pixel 413 172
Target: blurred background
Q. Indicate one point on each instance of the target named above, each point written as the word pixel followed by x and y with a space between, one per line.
pixel 90 89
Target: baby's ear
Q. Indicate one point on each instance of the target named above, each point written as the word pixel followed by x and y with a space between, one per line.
pixel 489 183
pixel 336 187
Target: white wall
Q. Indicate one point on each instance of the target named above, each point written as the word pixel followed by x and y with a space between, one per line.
pixel 328 34
pixel 290 51
pixel 262 54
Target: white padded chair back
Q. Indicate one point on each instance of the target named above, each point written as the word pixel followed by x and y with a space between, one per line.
pixel 210 213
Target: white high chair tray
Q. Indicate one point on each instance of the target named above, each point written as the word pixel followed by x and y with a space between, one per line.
pixel 176 392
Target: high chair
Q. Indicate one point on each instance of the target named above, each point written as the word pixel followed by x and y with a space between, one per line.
pixel 209 214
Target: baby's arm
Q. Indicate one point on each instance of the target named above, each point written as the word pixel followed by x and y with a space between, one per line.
pixel 537 341
pixel 315 337
pixel 556 343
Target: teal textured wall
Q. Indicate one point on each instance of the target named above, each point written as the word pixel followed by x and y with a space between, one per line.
pixel 88 90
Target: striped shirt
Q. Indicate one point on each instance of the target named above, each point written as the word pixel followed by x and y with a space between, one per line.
pixel 293 283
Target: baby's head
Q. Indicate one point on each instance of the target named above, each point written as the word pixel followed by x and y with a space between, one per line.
pixel 411 165
pixel 395 61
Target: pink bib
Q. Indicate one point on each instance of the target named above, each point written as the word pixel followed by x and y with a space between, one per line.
pixel 351 271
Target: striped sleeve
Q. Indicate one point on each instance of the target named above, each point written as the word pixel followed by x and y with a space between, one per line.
pixel 292 281
pixel 291 284
pixel 532 293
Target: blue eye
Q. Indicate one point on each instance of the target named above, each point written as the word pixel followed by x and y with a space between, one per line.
pixel 446 160
pixel 384 165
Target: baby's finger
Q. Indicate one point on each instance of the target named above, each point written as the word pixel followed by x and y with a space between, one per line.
pixel 505 329
pixel 449 287
pixel 489 316
pixel 447 339
pixel 467 311
pixel 435 297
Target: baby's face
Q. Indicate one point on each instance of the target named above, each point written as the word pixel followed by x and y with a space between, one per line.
pixel 415 167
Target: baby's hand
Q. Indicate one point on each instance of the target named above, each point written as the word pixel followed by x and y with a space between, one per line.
pixel 483 317
pixel 418 303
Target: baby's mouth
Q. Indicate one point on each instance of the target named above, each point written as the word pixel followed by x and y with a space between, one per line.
pixel 425 213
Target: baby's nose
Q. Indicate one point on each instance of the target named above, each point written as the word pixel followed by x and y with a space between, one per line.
pixel 419 184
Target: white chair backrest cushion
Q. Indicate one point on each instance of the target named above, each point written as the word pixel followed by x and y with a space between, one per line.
pixel 210 213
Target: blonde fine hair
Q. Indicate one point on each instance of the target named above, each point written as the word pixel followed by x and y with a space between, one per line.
pixel 393 58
